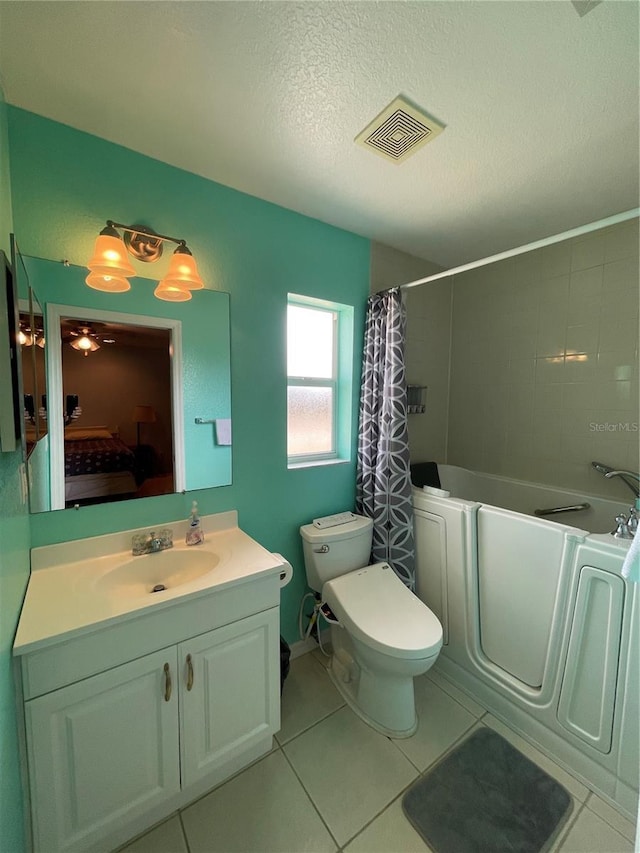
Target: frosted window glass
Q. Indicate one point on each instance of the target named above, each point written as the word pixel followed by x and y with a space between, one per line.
pixel 309 342
pixel 310 420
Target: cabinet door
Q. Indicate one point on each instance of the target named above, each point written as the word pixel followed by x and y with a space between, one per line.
pixel 102 751
pixel 233 698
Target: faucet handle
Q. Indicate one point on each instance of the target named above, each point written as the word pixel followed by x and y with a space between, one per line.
pixel 165 535
pixel 621 531
pixel 632 521
pixel 139 543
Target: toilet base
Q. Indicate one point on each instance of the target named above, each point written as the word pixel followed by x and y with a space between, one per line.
pixel 347 691
pixel 383 701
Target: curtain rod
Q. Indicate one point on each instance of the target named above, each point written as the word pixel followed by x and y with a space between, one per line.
pixel 529 247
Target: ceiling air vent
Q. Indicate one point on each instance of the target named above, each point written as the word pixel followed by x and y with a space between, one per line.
pixel 398 131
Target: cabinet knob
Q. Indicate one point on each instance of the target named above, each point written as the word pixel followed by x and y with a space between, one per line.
pixel 189 672
pixel 167 683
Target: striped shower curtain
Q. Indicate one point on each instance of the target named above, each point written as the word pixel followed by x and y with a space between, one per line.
pixel 383 486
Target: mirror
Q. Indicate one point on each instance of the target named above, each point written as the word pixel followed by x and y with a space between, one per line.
pixel 10 368
pixel 152 369
pixel 32 348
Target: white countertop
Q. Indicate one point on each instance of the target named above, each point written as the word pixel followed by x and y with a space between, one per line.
pixel 67 597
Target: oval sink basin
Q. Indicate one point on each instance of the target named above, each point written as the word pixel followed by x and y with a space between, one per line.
pixel 155 573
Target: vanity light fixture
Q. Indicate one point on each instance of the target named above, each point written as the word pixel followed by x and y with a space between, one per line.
pixel 110 269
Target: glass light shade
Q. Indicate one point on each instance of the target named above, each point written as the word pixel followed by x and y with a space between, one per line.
pixel 110 254
pixel 183 271
pixel 107 280
pixel 172 291
pixel 85 344
pixel 24 339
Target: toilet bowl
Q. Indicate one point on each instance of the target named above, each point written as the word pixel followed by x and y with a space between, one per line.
pixel 383 635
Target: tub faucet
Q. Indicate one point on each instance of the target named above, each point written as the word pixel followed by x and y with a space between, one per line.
pixel 627 477
pixel 635 488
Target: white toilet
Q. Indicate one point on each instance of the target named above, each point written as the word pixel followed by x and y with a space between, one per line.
pixel 385 635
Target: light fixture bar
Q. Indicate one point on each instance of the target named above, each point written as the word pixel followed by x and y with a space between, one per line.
pixel 140 229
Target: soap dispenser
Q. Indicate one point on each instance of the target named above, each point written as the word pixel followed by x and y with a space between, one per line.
pixel 195 533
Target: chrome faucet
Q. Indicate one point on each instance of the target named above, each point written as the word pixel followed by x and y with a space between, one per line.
pixel 626 528
pixel 623 476
pixel 623 530
pixel 155 543
pixel 151 543
pixel 627 477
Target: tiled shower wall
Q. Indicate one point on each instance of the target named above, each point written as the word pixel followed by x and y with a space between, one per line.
pixel 544 363
pixel 428 342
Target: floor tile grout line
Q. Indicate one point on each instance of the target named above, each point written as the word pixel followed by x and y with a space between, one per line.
pixel 561 838
pixel 309 727
pixel 451 696
pixel 311 800
pixel 462 736
pixel 184 832
pixel 384 809
pixel 608 822
pixel 421 773
pixel 564 833
pixel 233 776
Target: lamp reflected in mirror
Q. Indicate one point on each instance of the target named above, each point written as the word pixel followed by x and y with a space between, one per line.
pixel 143 415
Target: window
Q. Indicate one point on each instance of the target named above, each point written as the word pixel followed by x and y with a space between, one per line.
pixel 319 359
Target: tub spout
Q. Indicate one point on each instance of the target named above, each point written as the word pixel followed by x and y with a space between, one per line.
pixel 627 477
pixel 635 487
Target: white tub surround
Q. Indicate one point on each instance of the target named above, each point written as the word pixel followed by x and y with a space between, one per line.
pixel 540 626
pixel 526 497
pixel 134 703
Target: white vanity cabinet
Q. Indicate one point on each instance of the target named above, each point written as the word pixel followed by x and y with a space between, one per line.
pixel 101 750
pixel 128 723
pixel 230 694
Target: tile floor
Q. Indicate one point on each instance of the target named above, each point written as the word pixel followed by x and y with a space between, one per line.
pixel 333 784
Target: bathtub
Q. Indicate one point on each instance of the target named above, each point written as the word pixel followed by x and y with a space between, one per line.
pixel 539 625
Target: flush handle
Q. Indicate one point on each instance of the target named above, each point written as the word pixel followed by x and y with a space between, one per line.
pixel 323 549
pixel 167 683
pixel 189 672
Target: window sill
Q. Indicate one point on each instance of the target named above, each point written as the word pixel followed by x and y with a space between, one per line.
pixel 315 463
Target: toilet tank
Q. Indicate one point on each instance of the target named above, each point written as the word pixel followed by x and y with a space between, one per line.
pixel 334 551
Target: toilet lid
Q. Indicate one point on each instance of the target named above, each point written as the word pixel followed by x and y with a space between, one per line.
pixel 375 606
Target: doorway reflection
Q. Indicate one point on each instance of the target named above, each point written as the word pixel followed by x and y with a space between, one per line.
pixel 118 444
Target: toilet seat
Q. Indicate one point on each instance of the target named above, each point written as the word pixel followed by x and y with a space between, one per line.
pixel 375 606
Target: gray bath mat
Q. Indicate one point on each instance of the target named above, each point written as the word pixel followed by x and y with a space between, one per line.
pixel 486 797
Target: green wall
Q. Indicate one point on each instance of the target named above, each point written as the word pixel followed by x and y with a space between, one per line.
pixel 65 184
pixel 14 571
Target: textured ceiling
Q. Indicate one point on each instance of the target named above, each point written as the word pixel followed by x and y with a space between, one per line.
pixel 540 105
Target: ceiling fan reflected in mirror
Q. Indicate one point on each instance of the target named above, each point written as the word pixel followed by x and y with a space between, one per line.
pixel 85 339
